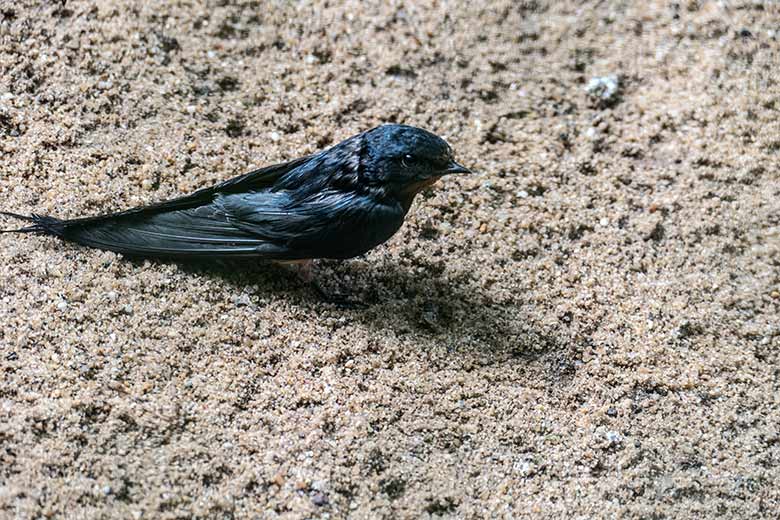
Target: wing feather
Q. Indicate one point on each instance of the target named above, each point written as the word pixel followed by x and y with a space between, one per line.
pixel 288 211
pixel 191 225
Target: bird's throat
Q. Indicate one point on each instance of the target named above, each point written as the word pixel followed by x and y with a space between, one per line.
pixel 408 193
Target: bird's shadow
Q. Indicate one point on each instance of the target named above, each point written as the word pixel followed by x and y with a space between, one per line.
pixel 410 298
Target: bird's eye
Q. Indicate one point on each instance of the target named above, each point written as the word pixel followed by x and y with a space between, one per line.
pixel 406 160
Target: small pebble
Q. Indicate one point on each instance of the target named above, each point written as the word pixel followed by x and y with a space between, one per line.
pixel 62 305
pixel 242 301
pixel 319 499
pixel 604 90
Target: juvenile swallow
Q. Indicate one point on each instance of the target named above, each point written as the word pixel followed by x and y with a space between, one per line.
pixel 338 203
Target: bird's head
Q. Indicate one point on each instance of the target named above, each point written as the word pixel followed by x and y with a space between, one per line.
pixel 404 159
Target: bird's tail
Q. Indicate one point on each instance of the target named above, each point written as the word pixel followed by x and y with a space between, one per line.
pixel 189 233
pixel 40 224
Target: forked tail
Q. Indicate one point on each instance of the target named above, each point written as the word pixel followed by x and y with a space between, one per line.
pixel 199 232
pixel 40 224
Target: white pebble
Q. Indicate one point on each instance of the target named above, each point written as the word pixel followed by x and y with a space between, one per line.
pixel 242 301
pixel 605 87
pixel 275 136
pixel 62 305
pixel 522 194
pixel 604 222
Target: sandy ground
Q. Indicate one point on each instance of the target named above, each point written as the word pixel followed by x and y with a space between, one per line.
pixel 587 327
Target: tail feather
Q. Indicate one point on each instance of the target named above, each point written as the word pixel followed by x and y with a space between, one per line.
pixel 18 216
pixel 200 232
pixel 191 233
pixel 40 224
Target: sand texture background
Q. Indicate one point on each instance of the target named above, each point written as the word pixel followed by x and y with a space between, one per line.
pixel 587 327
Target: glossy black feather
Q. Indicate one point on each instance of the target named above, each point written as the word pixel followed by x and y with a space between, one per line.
pixel 338 203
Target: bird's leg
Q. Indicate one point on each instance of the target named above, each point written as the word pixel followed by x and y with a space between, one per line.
pixel 305 271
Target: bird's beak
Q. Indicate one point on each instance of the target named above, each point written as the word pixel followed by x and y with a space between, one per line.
pixel 456 168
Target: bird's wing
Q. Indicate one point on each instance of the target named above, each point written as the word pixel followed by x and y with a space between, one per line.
pixel 265 213
pixel 266 224
pixel 254 180
pixel 192 225
pixel 203 231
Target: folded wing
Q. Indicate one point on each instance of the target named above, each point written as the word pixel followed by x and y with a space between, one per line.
pixel 189 233
pixel 266 213
pixel 189 226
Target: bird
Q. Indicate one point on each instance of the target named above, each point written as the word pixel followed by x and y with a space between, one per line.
pixel 338 203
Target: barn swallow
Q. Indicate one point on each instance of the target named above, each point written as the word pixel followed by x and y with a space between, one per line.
pixel 338 203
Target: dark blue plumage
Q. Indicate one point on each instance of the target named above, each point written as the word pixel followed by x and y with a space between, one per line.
pixel 338 203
